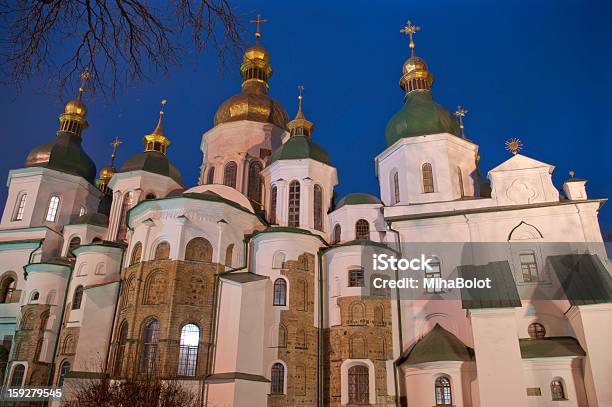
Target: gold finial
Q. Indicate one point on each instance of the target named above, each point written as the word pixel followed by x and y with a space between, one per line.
pixel 84 77
pixel 116 142
pixel 572 173
pixel 514 145
pixel 258 22
pixel 410 30
pixel 460 114
pixel 157 140
pixel 300 90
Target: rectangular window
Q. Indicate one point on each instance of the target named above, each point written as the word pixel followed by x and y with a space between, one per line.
pixel 21 207
pixel 529 267
pixel 52 211
pixel 435 272
pixel 356 278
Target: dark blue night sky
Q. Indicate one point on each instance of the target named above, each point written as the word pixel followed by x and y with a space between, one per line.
pixel 536 70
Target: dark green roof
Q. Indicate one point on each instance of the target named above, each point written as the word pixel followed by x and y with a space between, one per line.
pixel 583 277
pixel 437 345
pixel 65 154
pixel 300 147
pixel 97 219
pixel 503 292
pixel 155 162
pixel 420 116
pixel 358 199
pixel 550 347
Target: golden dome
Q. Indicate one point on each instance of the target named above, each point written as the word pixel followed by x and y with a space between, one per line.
pixel 414 64
pixel 75 106
pixel 415 75
pixel 256 52
pixel 107 173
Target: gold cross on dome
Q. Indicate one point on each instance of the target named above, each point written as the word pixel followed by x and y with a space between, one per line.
pixel 84 77
pixel 258 22
pixel 460 114
pixel 410 30
pixel 116 143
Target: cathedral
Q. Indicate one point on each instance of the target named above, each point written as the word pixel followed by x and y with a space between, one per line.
pixel 253 287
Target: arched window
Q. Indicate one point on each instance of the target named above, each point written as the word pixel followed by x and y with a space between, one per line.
pixel 125 206
pixel 64 369
pixel 20 207
pixel 229 253
pixel 96 240
pixel 556 390
pixel 77 297
pixel 254 186
pixel 68 345
pixel 277 379
pixel 294 204
pixel 52 209
pixel 121 345
pixel 17 378
pixel 155 288
pixel 188 355
pixel 82 211
pixel 282 336
pixel 273 198
pixel 357 347
pixel 150 195
pixel 379 315
pixel 136 254
pixel 337 233
pixel 395 188
pixel 356 278
pixel 358 385
pixel 280 292
pixel 278 260
pixel 460 182
pixel 162 251
pixel 74 242
pixel 362 230
pixel 34 296
pixel 148 350
pixel 317 207
pixel 199 249
pixel 536 330
pixel 210 176
pixel 357 314
pixel 229 174
pixel 44 318
pixel 8 288
pixel 427 173
pixel 443 391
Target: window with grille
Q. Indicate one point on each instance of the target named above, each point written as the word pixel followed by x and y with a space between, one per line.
pixel 556 390
pixel 277 379
pixel 318 207
pixel 273 199
pixel 121 346
pixel 428 181
pixel 17 378
pixel 294 204
pixel 435 272
pixel 529 267
pixel 362 230
pixel 358 385
pixel 280 292
pixel 443 391
pixel 536 330
pixel 229 174
pixel 77 297
pixel 21 207
pixel 355 278
pixel 255 182
pixel 188 355
pixel 52 209
pixel 148 351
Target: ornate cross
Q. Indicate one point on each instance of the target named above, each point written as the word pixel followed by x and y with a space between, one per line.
pixel 409 30
pixel 115 144
pixel 84 77
pixel 460 114
pixel 258 22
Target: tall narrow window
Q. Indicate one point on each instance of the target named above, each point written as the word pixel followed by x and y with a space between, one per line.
pixel 280 292
pixel 294 204
pixel 529 267
pixel 210 176
pixel 77 297
pixel 362 230
pixel 188 355
pixel 460 181
pixel 74 242
pixel 428 183
pixel 148 350
pixel 21 203
pixel 229 253
pixel 435 273
pixel 136 254
pixel 254 186
pixel 64 369
pixel 277 379
pixel 282 336
pixel 82 211
pixel 317 207
pixel 53 207
pixel 273 198
pixel 337 233
pixel 8 288
pixel 121 344
pixel 396 188
pixel 556 390
pixel 17 378
pixel 358 385
pixel 443 391
pixel 229 174
pixel 127 204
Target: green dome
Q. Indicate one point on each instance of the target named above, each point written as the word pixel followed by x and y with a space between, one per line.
pixel 420 116
pixel 358 199
pixel 300 147
pixel 155 162
pixel 64 154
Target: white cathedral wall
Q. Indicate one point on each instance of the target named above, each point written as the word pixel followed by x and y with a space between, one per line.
pixel 348 215
pixel 87 233
pixel 539 372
